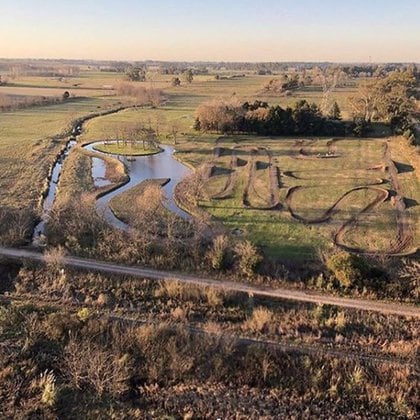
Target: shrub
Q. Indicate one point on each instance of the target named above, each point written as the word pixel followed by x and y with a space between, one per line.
pixel 260 321
pixel 54 258
pixel 346 268
pixel 90 365
pixel 214 297
pixel 49 391
pixel 83 314
pixel 248 258
pixel 218 253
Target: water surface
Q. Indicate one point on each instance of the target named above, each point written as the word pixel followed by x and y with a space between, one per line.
pixel 139 169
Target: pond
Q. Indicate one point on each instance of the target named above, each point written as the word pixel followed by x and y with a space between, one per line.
pixel 139 169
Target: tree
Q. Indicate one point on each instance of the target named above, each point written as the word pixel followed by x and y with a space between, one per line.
pixel 175 81
pixel 220 115
pixel 175 130
pixel 136 74
pixel 307 117
pixel 364 103
pixel 189 76
pixel 335 113
pixel 388 99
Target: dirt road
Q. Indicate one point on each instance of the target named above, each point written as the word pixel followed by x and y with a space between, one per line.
pixel 282 293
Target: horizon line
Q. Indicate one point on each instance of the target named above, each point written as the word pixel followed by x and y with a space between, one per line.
pixel 209 61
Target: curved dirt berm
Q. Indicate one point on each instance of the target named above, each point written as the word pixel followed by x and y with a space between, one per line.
pixel 230 181
pixel 370 181
pixel 382 195
pixel 208 170
pixel 274 181
pixel 405 234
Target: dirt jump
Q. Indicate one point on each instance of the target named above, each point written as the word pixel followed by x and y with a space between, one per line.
pixel 273 180
pixel 228 188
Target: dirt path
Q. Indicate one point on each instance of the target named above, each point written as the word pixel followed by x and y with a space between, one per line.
pixel 281 293
pixel 273 180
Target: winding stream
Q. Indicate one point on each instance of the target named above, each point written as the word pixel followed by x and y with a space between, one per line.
pixel 49 198
pixel 140 168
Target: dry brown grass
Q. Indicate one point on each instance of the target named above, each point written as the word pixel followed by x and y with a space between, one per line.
pixel 261 320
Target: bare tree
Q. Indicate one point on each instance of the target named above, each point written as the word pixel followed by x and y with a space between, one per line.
pixel 175 128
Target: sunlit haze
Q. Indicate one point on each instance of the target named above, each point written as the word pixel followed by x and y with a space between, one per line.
pixel 266 30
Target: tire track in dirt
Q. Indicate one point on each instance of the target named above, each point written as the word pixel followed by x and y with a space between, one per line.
pixel 404 237
pixel 382 195
pixel 274 182
pixel 227 190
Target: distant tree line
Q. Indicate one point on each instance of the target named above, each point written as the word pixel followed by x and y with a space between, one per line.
pixel 260 118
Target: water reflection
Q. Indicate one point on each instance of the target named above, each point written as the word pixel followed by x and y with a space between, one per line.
pixel 140 168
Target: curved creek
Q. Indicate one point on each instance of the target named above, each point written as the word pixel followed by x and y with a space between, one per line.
pixel 139 169
pixel 51 193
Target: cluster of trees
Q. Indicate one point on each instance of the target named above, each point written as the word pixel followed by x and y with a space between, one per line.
pixel 22 68
pixel 188 77
pixel 390 99
pixel 136 74
pixel 131 134
pixel 179 68
pixel 232 116
pixel 140 94
pixel 374 70
pixel 328 78
pixel 284 83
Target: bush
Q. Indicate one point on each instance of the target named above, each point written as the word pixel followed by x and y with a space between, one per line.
pixel 49 391
pixel 260 321
pixel 248 258
pixel 346 268
pixel 218 253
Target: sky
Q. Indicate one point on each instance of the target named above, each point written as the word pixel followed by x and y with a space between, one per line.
pixel 212 30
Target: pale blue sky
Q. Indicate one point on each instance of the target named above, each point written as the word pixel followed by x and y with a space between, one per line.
pixel 241 30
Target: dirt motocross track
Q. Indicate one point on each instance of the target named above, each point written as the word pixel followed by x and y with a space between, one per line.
pixel 261 159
